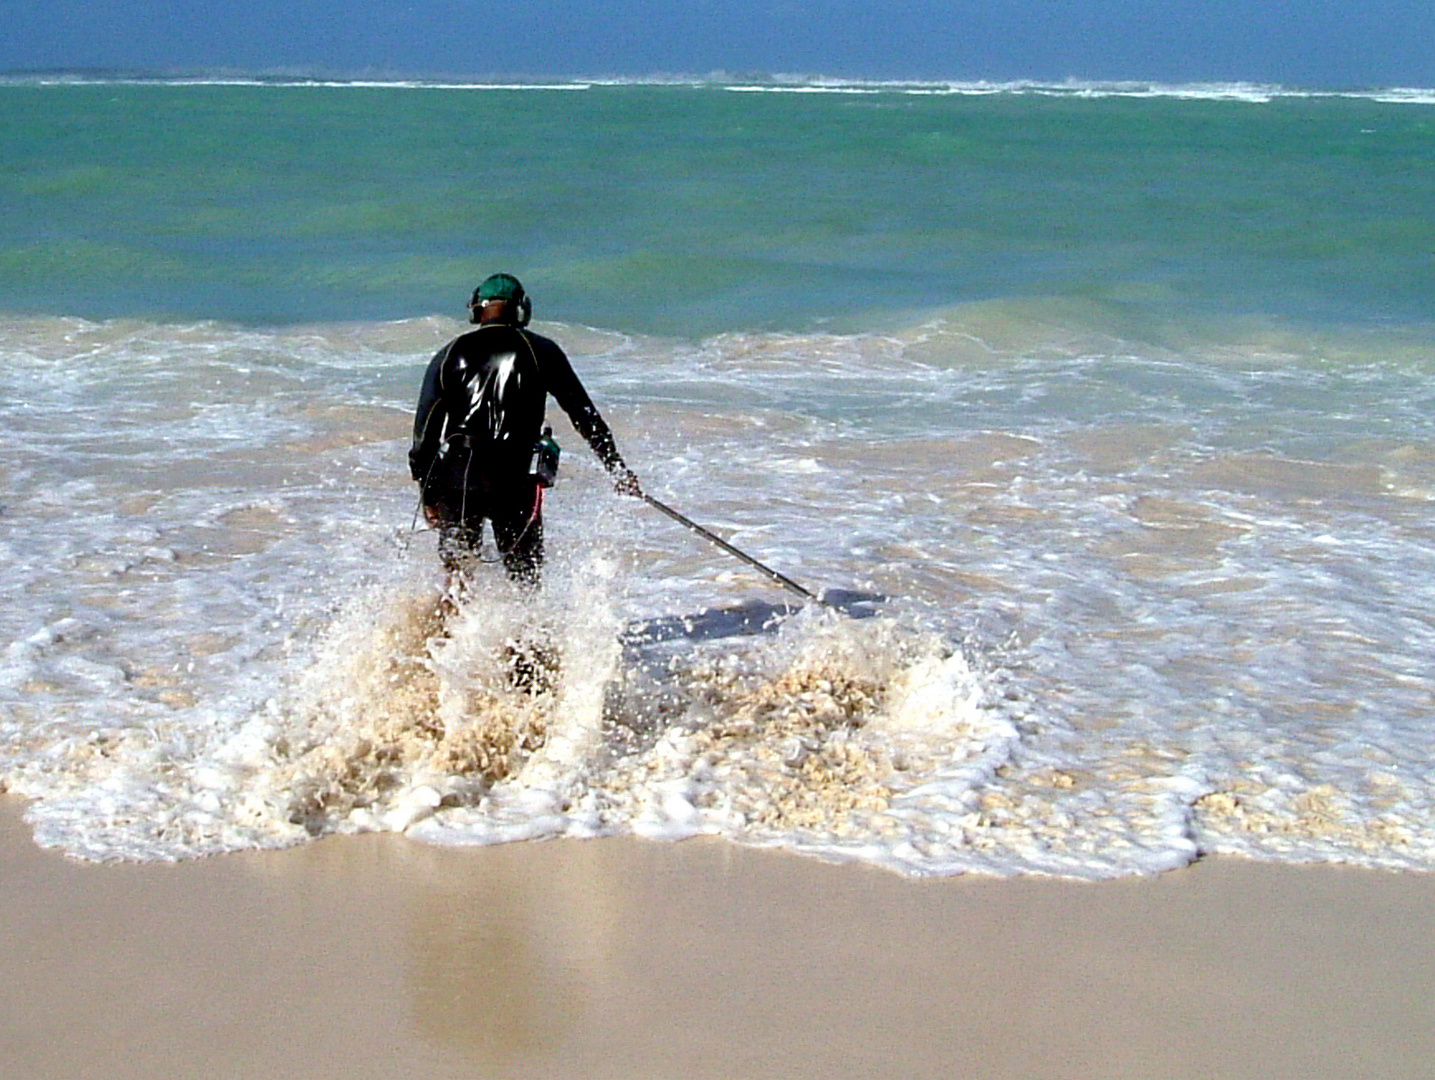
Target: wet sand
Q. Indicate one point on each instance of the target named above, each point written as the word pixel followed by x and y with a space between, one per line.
pixel 377 957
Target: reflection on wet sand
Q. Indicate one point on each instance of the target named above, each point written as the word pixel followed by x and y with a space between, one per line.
pixel 489 976
pixel 497 962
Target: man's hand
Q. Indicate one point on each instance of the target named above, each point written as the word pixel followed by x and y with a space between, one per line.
pixel 626 483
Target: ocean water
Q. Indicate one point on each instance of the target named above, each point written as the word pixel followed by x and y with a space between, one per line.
pixel 1120 397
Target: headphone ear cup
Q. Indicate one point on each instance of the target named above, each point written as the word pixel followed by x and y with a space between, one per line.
pixel 525 311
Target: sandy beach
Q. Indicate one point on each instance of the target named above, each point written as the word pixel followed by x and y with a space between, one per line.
pixel 378 957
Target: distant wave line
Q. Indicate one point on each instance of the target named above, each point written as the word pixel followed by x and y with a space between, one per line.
pixel 776 84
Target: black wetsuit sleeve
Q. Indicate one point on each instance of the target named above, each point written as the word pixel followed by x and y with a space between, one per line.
pixel 563 384
pixel 430 418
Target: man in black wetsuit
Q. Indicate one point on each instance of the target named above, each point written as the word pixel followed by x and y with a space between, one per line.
pixel 479 420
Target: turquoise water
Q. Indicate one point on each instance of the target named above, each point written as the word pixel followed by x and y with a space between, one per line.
pixel 1123 397
pixel 694 210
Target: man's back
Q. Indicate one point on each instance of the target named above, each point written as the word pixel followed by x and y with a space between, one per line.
pixel 495 392
pixel 487 388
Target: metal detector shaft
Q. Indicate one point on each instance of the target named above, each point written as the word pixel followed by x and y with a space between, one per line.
pixel 782 579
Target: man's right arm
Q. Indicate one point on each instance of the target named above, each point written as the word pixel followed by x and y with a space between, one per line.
pixel 568 391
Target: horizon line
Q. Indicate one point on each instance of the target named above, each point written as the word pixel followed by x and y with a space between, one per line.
pixel 720 79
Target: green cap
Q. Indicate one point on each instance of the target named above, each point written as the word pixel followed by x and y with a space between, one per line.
pixel 499 287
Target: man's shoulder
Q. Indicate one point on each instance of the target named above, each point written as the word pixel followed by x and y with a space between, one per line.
pixel 476 342
pixel 495 338
pixel 495 334
pixel 471 338
pixel 539 342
